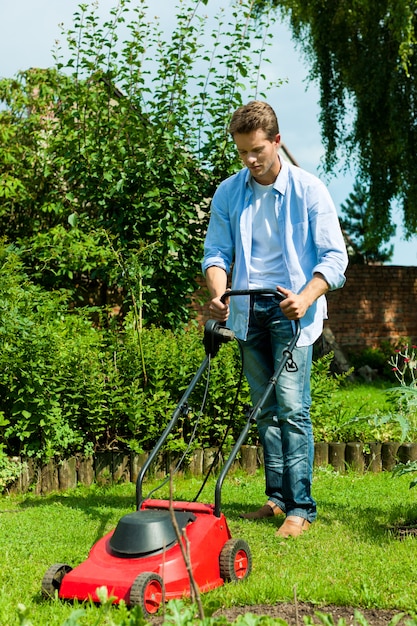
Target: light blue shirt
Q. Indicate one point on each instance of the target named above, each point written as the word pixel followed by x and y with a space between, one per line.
pixel 310 233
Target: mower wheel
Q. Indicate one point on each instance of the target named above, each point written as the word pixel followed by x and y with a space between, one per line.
pixel 235 560
pixel 52 579
pixel 147 592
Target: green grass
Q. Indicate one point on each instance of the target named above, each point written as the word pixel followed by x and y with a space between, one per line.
pixel 371 412
pixel 349 556
pixel 365 398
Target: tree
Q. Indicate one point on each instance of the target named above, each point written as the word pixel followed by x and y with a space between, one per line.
pixel 355 224
pixel 109 160
pixel 362 54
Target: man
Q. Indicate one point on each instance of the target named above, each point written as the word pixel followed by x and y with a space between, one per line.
pixel 278 226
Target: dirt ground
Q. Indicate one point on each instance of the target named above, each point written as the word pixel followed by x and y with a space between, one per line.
pixel 294 615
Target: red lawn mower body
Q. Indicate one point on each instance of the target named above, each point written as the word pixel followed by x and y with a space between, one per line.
pixel 206 535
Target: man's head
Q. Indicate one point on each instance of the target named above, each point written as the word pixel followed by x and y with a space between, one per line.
pixel 255 115
pixel 254 128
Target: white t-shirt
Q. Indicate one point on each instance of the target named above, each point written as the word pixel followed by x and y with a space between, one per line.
pixel 265 270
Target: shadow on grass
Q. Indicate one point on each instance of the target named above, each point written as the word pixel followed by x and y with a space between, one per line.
pixel 369 514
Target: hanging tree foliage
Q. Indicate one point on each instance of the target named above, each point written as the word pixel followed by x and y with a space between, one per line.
pixel 362 54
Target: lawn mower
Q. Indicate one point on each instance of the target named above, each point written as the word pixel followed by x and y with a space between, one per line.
pixel 142 561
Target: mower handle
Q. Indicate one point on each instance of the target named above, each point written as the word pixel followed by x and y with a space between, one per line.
pixel 263 292
pixel 215 333
pixel 253 292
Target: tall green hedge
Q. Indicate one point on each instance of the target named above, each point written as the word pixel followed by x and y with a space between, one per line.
pixel 70 385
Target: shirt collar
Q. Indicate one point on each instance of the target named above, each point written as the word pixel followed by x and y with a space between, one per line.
pixel 281 180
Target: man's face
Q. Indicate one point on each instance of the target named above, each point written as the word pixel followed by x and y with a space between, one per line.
pixel 259 154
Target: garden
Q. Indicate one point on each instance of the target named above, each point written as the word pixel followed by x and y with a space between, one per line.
pixel 77 389
pixel 103 219
pixel 73 388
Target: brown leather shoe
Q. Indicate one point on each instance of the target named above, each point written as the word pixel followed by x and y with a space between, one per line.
pixel 293 526
pixel 270 509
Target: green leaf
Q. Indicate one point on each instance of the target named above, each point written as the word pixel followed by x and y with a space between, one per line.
pixel 73 220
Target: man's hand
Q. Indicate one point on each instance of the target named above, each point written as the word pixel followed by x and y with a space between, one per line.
pixel 219 311
pixel 295 305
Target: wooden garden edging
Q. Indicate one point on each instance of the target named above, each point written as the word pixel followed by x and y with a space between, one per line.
pixel 115 466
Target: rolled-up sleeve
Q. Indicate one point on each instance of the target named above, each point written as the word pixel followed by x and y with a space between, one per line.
pixel 219 245
pixel 332 257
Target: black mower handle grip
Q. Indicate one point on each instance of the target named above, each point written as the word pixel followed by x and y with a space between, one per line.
pixel 220 331
pixel 250 292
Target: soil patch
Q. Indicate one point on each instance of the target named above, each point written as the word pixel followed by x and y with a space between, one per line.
pixel 405 530
pixel 294 615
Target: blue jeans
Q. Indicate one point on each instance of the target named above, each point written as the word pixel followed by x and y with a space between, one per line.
pixel 284 422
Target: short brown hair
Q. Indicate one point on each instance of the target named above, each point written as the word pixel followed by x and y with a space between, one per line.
pixel 253 116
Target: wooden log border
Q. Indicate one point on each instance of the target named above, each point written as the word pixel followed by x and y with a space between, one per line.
pixel 109 467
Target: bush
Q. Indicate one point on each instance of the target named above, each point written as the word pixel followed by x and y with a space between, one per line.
pixel 375 358
pixel 67 386
pixel 47 361
pixel 327 408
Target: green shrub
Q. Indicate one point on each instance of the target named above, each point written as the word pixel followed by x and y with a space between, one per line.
pixel 67 386
pixel 47 356
pixel 10 469
pixel 327 407
pixel 160 369
pixel 376 358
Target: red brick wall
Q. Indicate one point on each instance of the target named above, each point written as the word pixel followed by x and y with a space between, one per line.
pixel 377 303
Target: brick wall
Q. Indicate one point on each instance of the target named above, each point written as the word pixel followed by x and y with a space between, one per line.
pixel 377 303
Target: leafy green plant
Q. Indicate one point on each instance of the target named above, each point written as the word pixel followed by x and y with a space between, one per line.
pixel 171 361
pixel 68 386
pixel 49 362
pixel 376 358
pixel 397 420
pixel 327 407
pixel 404 365
pixel 406 468
pixel 109 160
pixel 404 397
pixel 10 468
pixel 378 427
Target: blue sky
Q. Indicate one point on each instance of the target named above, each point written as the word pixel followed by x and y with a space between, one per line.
pixel 29 29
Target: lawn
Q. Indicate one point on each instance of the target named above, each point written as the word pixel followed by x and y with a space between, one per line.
pixel 362 398
pixel 349 557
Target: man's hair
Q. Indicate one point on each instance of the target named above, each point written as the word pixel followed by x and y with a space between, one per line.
pixel 253 116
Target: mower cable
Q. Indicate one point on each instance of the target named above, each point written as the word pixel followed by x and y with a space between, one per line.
pixel 192 437
pixel 229 425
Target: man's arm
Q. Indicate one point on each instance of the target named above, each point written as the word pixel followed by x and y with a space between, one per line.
pixel 216 280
